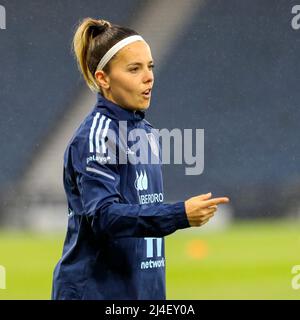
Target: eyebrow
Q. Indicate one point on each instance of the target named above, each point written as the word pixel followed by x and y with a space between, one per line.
pixel 138 63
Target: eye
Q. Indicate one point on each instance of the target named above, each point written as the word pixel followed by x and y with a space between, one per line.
pixel 152 66
pixel 134 69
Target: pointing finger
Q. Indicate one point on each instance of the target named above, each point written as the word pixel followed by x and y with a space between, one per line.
pixel 215 201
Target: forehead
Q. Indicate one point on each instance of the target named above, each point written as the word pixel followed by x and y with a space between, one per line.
pixel 138 51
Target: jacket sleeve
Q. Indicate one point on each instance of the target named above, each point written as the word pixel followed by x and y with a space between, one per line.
pixel 99 187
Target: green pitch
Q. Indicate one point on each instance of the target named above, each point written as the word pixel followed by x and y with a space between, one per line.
pixel 246 261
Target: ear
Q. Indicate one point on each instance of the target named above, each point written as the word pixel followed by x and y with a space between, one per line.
pixel 103 79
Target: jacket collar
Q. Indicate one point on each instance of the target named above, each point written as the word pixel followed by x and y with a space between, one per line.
pixel 114 111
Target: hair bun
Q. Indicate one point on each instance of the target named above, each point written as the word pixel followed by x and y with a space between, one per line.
pixel 105 23
pixel 98 27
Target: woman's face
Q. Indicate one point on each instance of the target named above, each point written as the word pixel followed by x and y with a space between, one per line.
pixel 131 75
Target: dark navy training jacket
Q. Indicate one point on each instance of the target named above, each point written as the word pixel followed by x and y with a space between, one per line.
pixel 114 246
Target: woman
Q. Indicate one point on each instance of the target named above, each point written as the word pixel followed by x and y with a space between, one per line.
pixel 114 247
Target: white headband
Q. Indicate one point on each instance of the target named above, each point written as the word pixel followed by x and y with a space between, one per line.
pixel 114 49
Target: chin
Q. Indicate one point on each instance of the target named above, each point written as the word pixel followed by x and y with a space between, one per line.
pixel 145 107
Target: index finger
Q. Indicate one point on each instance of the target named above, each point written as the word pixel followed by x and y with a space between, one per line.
pixel 215 201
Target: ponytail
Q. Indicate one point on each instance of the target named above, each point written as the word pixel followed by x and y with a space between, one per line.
pixel 92 39
pixel 82 43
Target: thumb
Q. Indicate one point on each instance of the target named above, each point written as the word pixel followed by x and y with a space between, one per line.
pixel 205 196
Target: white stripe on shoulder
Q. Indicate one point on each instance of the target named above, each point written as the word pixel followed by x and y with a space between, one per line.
pixel 91 137
pixel 104 135
pixel 98 133
pixel 100 172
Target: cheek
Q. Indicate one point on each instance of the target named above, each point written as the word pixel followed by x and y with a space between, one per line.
pixel 126 86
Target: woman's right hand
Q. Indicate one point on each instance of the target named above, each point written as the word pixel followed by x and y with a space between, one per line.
pixel 201 208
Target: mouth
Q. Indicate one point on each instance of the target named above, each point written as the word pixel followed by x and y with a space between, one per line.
pixel 147 93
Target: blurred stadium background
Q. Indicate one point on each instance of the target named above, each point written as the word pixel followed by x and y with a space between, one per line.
pixel 229 67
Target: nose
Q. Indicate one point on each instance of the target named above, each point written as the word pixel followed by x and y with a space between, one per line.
pixel 148 76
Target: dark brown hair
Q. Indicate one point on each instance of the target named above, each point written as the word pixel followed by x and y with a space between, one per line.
pixel 92 39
